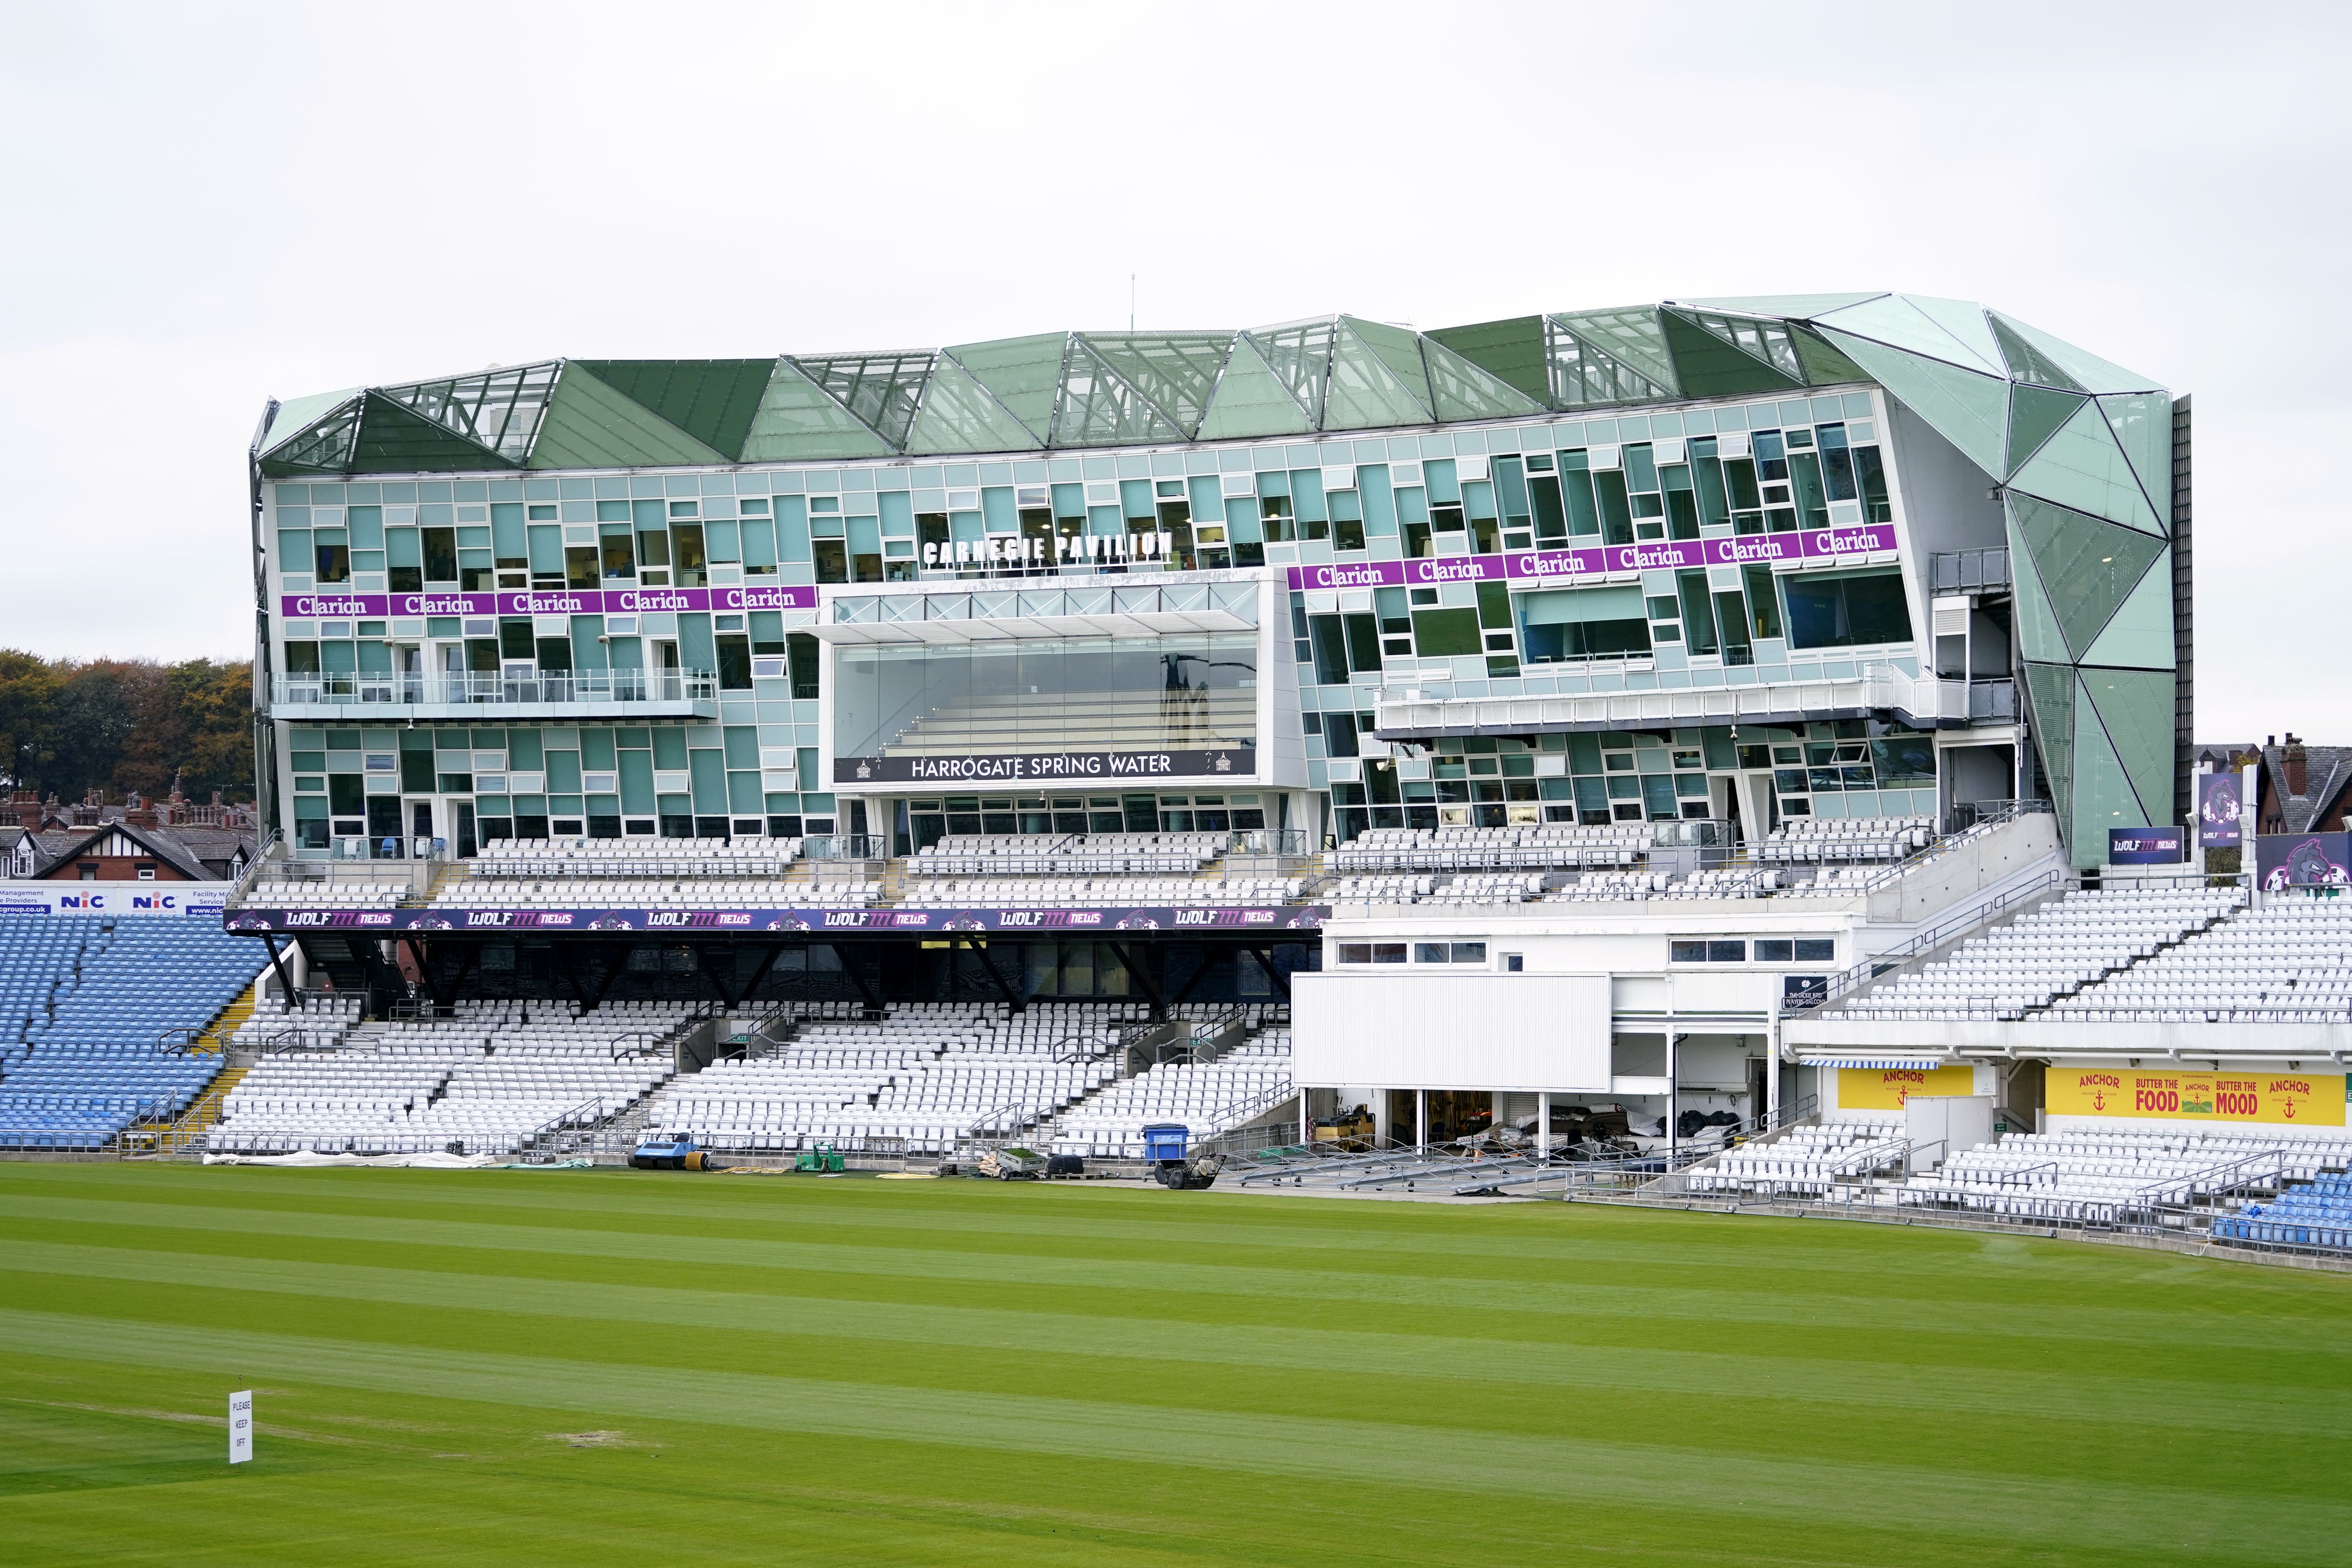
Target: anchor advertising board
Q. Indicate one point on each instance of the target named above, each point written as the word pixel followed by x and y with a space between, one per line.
pixel 2274 1099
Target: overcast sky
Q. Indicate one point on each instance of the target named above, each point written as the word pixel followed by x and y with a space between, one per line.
pixel 203 207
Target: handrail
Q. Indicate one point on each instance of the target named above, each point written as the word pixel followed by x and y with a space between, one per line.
pixel 1942 932
pixel 379 690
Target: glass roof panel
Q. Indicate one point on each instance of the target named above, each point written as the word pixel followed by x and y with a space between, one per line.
pixel 1630 335
pixel 323 446
pixel 2088 370
pixel 959 415
pixel 2034 412
pixel 1897 322
pixel 1251 400
pixel 2082 467
pixel 1969 410
pixel 499 409
pixel 797 420
pixel 395 439
pixel 1365 391
pixel 1175 370
pixel 1021 374
pixel 1514 352
pixel 882 390
pixel 1099 407
pixel 713 400
pixel 1460 390
pixel 588 425
pixel 1300 354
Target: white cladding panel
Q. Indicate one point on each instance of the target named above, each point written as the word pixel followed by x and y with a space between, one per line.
pixel 1414 1028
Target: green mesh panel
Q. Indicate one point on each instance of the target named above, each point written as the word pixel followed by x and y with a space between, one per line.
pixel 2087 567
pixel 2087 370
pixel 2034 413
pixel 1510 351
pixel 590 425
pixel 1969 410
pixel 2136 708
pixel 2050 688
pixel 1251 400
pixel 959 415
pixel 2139 634
pixel 393 441
pixel 1461 391
pixel 1898 323
pixel 712 400
pixel 1022 373
pixel 1175 370
pixel 2081 467
pixel 797 420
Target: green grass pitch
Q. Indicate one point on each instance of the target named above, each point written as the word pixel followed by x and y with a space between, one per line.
pixel 506 1367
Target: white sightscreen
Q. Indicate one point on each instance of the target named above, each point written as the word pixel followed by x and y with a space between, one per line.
pixel 1414 1028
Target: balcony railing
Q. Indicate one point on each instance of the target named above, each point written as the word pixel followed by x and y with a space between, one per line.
pixel 1969 571
pixel 557 687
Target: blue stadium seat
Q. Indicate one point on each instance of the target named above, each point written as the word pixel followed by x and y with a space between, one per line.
pixel 84 1001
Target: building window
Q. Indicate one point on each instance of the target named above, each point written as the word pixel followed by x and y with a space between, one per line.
pixel 1371 953
pixel 1449 952
pixel 88 871
pixel 1707 949
pixel 146 873
pixel 1798 950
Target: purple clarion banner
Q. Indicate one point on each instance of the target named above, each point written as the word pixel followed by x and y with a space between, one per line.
pixel 2219 821
pixel 548 602
pixel 1599 559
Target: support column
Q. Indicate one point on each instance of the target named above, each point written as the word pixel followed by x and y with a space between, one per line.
pixel 1306 1120
pixel 1421 1119
pixel 1772 1066
pixel 1673 1083
pixel 1543 1124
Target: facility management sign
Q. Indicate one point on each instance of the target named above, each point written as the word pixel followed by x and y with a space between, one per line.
pixel 1600 561
pixel 1238 763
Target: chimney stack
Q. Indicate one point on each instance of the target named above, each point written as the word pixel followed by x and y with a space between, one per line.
pixel 2296 762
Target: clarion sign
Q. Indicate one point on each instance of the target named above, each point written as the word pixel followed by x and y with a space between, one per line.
pixel 1046 767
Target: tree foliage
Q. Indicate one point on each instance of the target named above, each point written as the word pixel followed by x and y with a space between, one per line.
pixel 125 724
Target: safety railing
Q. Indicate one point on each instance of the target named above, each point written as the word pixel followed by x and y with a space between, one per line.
pixel 560 688
pixel 1947 930
pixel 1969 571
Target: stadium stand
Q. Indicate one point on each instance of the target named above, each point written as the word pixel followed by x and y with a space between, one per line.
pixel 2077 1175
pixel 2060 948
pixel 1801 840
pixel 709 892
pixel 484 1082
pixel 278 887
pixel 2318 1215
pixel 1237 1089
pixel 994 893
pixel 919 1080
pixel 94 1018
pixel 1805 1162
pixel 982 854
pixel 1471 848
pixel 2289 962
pixel 747 855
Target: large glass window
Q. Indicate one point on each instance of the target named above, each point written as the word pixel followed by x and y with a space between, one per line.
pixel 1027 697
pixel 1846 610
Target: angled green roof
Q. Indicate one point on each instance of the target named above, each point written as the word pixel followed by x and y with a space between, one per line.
pixel 2004 393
